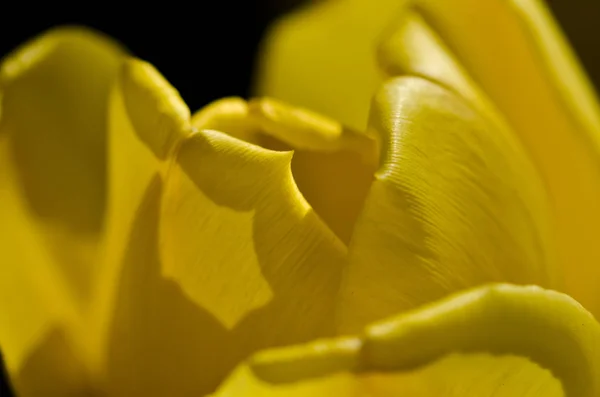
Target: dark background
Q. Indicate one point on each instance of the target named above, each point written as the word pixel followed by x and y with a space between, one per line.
pixel 208 51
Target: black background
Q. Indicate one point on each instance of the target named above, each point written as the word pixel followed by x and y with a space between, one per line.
pixel 207 49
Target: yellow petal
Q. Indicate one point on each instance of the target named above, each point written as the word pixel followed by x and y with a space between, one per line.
pixel 54 98
pixel 322 58
pixel 515 52
pixel 33 294
pixel 332 165
pixel 208 250
pixel 55 369
pixel 147 119
pixel 476 343
pixel 53 183
pixel 455 203
pixel 133 173
pixel 54 95
pixel 230 115
pixel 411 47
pixel 243 264
pixel 480 375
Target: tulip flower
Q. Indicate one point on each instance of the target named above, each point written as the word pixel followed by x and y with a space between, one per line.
pixel 507 58
pixel 421 245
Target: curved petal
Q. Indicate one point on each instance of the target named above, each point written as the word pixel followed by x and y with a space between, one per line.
pixel 54 98
pixel 455 204
pixel 52 154
pixel 515 52
pixel 206 251
pixel 230 115
pixel 411 47
pixel 321 57
pixel 332 165
pixel 54 95
pixel 473 343
pixel 147 119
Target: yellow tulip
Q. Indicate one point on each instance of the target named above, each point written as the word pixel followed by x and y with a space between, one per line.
pixel 149 252
pixel 506 57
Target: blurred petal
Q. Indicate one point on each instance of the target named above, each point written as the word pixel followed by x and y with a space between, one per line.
pixel 332 165
pixel 54 95
pixel 454 204
pixel 230 115
pixel 411 47
pixel 303 129
pixel 33 293
pixel 433 351
pixel 52 184
pixel 54 98
pixel 515 52
pixel 54 369
pixel 322 57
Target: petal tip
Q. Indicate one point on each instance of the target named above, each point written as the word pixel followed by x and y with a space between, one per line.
pixel 41 47
pixel 315 359
pixel 155 108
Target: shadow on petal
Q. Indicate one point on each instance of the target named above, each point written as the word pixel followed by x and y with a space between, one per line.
pixel 232 217
pixel 158 333
pixel 54 370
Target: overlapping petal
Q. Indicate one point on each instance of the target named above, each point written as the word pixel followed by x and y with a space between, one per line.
pixel 321 57
pixel 205 239
pixel 332 165
pixel 511 58
pixel 455 203
pixel 474 343
pixel 211 251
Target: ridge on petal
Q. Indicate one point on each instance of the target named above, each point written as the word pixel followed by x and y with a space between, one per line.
pixel 455 204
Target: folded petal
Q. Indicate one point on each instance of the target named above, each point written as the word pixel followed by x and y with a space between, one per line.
pixel 211 249
pixel 53 95
pixel 455 203
pixel 332 165
pixel 322 57
pixel 248 254
pixel 482 342
pixel 517 56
